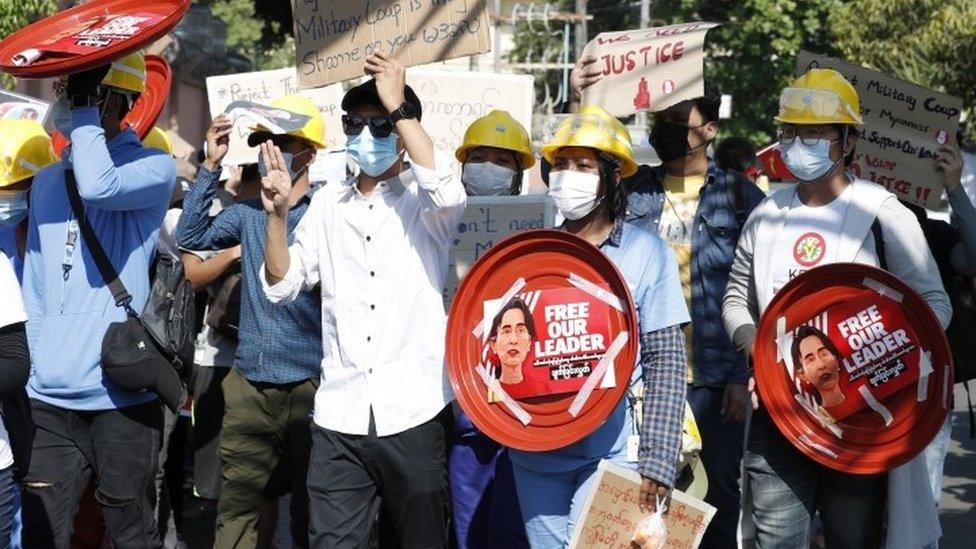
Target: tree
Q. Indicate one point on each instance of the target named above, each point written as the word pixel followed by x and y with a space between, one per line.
pixel 15 14
pixel 261 30
pixel 929 42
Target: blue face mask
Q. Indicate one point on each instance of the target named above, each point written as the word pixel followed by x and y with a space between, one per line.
pixel 808 162
pixel 373 155
pixel 13 207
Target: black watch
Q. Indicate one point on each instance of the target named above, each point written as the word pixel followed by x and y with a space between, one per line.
pixel 82 100
pixel 404 111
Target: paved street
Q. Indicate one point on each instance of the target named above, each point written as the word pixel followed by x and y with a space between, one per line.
pixel 958 504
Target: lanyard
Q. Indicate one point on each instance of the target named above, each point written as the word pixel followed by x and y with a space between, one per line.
pixel 70 242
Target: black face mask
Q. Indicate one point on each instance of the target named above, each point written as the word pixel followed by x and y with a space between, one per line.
pixel 670 140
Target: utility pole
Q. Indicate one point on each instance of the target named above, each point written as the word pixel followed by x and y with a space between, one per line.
pixel 581 34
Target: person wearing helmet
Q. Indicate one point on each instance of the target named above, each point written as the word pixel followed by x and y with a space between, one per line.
pixel 376 250
pixel 830 216
pixel 114 433
pixel 494 154
pixel 588 160
pixel 25 149
pixel 269 394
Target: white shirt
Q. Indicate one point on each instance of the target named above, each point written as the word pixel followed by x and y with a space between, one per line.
pixel 11 312
pixel 810 238
pixel 381 261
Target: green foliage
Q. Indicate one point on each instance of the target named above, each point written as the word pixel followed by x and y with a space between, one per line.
pixel 15 14
pixel 261 30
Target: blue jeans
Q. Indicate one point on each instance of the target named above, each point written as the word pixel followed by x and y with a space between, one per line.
pixel 8 501
pixel 552 502
pixel 786 489
pixel 721 454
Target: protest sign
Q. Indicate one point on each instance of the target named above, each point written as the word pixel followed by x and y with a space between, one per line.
pixel 647 69
pixel 488 219
pixel 612 513
pixel 452 100
pixel 334 37
pixel 263 88
pixel 904 125
pixel 22 107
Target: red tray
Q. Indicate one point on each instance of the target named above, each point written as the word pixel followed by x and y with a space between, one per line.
pixel 867 445
pixel 545 259
pixel 61 31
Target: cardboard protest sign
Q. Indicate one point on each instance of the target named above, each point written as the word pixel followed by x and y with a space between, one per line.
pixel 488 219
pixel 904 125
pixel 22 107
pixel 263 88
pixel 334 37
pixel 452 100
pixel 648 69
pixel 612 513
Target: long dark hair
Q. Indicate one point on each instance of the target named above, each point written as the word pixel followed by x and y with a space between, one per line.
pixel 611 190
pixel 804 332
pixel 514 303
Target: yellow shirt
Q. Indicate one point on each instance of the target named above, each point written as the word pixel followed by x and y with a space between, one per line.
pixel 677 222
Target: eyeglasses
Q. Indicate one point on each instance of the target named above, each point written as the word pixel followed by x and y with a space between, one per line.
pixel 808 136
pixel 380 126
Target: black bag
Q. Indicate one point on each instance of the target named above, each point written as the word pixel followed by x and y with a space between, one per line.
pixel 152 351
pixel 224 309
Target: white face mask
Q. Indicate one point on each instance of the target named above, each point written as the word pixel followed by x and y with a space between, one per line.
pixel 575 193
pixel 486 179
pixel 808 162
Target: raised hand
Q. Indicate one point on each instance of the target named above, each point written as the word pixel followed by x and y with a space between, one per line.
pixel 218 139
pixel 276 185
pixel 391 79
pixel 584 74
pixel 948 162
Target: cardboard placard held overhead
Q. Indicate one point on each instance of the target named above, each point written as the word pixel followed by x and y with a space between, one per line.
pixel 452 100
pixel 904 125
pixel 334 37
pixel 264 87
pixel 648 69
pixel 612 513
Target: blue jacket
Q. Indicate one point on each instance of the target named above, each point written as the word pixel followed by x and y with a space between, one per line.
pixel 126 189
pixel 275 344
pixel 715 362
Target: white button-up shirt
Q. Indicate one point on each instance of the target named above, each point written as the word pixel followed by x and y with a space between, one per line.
pixel 381 263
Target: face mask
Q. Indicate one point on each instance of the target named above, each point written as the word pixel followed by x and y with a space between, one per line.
pixel 808 162
pixel 373 155
pixel 287 157
pixel 13 207
pixel 574 192
pixel 487 179
pixel 670 141
pixel 61 116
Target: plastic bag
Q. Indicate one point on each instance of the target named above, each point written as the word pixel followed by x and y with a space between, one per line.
pixel 651 532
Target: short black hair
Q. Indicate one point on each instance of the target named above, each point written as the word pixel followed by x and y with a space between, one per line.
pixel 710 102
pixel 367 94
pixel 735 153
pixel 844 130
pixel 514 303
pixel 804 332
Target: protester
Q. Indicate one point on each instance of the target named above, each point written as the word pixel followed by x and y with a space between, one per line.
pixel 494 154
pixel 269 394
pixel 16 429
pixel 851 220
pixel 699 209
pixel 588 161
pixel 737 154
pixel 376 249
pixel 86 423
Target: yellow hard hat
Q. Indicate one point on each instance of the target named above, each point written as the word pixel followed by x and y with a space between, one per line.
pixel 25 149
pixel 618 127
pixel 313 131
pixel 128 73
pixel 594 132
pixel 497 129
pixel 821 96
pixel 157 138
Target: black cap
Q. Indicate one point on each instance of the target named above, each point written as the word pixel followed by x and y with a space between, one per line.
pixel 366 93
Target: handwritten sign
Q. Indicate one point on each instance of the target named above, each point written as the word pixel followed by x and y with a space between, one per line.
pixel 488 219
pixel 22 107
pixel 612 512
pixel 264 87
pixel 334 37
pixel 648 69
pixel 904 125
pixel 452 100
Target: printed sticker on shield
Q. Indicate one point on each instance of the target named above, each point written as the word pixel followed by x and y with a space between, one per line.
pixel 541 340
pixel 853 367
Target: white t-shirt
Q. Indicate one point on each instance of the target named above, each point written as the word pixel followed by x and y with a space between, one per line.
pixel 12 312
pixel 810 238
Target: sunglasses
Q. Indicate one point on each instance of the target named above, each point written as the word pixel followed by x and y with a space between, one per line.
pixel 380 126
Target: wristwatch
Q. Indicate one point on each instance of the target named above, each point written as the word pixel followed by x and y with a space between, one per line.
pixel 82 100
pixel 403 112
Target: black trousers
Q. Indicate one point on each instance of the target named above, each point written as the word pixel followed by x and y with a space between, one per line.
pixel 120 447
pixel 351 478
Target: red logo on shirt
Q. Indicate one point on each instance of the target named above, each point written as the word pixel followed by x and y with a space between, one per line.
pixel 809 249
